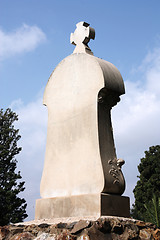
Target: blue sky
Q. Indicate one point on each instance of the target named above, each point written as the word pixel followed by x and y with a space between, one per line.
pixel 35 37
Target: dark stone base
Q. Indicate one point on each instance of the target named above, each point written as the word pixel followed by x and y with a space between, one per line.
pixel 114 205
pixel 83 205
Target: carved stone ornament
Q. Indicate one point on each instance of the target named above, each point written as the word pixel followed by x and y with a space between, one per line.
pixel 81 37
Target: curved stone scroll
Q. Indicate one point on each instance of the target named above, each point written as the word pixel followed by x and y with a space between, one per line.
pixel 80 153
pixel 114 180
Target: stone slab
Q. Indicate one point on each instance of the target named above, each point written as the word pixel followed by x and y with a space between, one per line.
pixel 83 205
pixel 80 145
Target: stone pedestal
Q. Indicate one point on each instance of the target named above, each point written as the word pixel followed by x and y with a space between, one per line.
pixel 83 205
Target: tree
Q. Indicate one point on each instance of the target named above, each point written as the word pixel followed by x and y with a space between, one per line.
pixel 148 184
pixel 12 207
pixel 152 213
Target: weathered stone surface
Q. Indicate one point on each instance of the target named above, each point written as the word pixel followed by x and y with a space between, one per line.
pixel 117 227
pixel 79 226
pixel 110 228
pixel 70 225
pixel 146 234
pixel 83 237
pixel 156 233
pixel 131 231
pixel 46 236
pixel 103 225
pixel 83 205
pixel 141 224
pixel 4 231
pixel 16 229
pixel 61 225
pixel 23 236
pixel 44 225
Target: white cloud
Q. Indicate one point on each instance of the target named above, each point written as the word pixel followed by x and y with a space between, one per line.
pixel 33 129
pixel 136 117
pixel 135 122
pixel 24 39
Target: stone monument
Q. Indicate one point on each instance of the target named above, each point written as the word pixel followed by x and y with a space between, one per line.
pixel 82 175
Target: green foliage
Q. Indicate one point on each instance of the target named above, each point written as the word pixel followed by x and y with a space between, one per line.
pixel 148 184
pixel 12 207
pixel 152 213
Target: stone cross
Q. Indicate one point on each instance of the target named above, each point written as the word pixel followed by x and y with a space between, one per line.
pixel 81 37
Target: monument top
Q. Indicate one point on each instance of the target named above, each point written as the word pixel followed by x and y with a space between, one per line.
pixel 81 37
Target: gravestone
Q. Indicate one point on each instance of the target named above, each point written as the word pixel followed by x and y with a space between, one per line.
pixel 82 175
